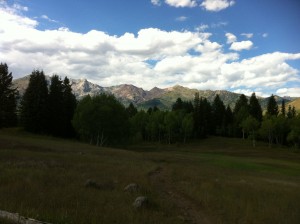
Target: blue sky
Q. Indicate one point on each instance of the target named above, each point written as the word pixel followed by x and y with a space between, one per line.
pixel 238 45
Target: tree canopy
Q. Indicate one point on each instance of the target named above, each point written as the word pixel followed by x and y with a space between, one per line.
pixel 8 98
pixel 101 120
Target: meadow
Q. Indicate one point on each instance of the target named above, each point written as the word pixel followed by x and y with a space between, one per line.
pixel 215 180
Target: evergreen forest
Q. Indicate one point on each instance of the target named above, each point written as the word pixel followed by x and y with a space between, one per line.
pixel 52 109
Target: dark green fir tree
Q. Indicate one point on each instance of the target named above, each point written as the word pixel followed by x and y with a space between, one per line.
pixel 8 95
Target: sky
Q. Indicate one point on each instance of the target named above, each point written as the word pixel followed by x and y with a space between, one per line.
pixel 237 45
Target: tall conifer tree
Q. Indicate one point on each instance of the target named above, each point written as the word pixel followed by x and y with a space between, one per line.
pixel 272 107
pixel 255 109
pixel 8 94
pixel 69 104
pixel 56 106
pixel 34 108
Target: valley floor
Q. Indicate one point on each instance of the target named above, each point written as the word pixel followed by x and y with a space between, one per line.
pixel 216 180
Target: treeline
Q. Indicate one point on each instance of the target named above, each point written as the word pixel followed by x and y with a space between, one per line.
pixel 201 119
pixel 43 109
pixel 52 109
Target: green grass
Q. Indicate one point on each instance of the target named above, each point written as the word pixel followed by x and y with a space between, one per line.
pixel 224 180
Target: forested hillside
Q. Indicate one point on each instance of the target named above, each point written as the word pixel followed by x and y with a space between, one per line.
pixel 49 106
pixel 144 99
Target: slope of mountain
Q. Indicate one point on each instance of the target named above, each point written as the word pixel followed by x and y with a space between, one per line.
pixel 162 98
pixel 295 103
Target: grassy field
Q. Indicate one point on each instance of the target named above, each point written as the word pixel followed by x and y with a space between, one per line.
pixel 216 180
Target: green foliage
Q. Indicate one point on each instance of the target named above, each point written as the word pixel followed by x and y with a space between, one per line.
pixel 291 112
pixel 101 119
pixel 267 130
pixel 294 135
pixel 34 104
pixel 185 106
pixel 272 107
pixel 203 124
pixel 131 110
pixel 62 104
pixel 218 114
pixel 55 106
pixel 187 126
pixel 283 112
pixel 50 112
pixel 255 109
pixel 251 125
pixel 241 112
pixel 70 103
pixel 8 95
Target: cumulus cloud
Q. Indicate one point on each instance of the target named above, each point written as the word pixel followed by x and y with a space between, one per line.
pixel 181 3
pixel 267 71
pixel 242 45
pixel 148 58
pixel 248 92
pixel 156 2
pixel 216 5
pixel 230 38
pixel 292 92
pixel 247 35
pixel 20 7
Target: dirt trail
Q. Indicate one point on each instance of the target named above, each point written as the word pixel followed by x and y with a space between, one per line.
pixel 191 212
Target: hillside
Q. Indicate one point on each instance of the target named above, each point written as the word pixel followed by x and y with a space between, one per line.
pixel 295 103
pixel 162 98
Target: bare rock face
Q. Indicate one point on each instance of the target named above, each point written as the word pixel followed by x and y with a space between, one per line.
pixel 140 202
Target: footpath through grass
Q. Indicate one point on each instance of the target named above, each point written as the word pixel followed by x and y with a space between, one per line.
pixel 216 180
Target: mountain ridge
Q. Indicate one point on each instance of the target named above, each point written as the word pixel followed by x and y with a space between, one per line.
pixel 162 98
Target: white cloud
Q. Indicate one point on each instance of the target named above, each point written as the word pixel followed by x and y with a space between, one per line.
pixel 265 35
pixel 181 3
pixel 292 92
pixel 151 57
pixel 216 5
pixel 248 92
pixel 230 38
pixel 156 2
pixel 243 45
pixel 267 71
pixel 247 35
pixel 20 7
pixel 202 28
pixel 181 18
pixel 48 19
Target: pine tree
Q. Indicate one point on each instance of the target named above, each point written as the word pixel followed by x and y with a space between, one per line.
pixel 8 94
pixel 55 107
pixel 228 121
pixel 290 112
pixel 241 112
pixel 283 107
pixel 34 114
pixel 255 109
pixel 272 107
pixel 218 113
pixel 69 105
pixel 131 110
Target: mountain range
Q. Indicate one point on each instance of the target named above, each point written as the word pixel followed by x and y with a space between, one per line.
pixel 143 99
